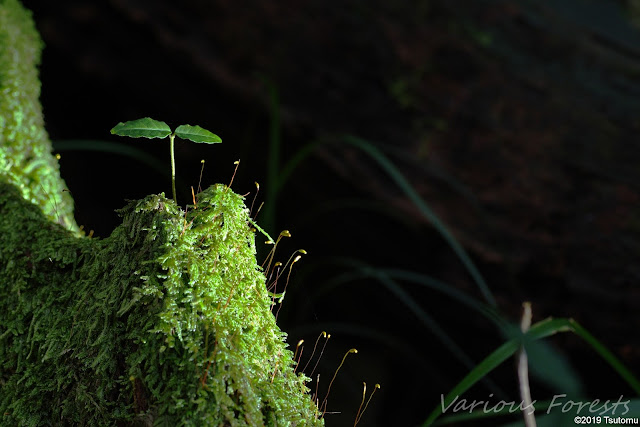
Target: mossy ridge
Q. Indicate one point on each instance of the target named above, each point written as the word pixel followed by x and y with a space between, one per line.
pixel 167 321
pixel 137 327
pixel 25 148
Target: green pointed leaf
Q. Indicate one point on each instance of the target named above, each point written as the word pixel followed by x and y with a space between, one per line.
pixel 142 128
pixel 197 134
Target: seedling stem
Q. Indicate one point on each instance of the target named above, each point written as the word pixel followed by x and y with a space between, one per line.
pixel 149 128
pixel 173 168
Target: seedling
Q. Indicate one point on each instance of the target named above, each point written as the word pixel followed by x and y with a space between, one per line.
pixel 149 128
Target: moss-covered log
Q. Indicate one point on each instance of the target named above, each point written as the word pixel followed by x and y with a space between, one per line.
pixel 167 321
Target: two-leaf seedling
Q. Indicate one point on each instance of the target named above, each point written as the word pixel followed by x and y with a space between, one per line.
pixel 149 128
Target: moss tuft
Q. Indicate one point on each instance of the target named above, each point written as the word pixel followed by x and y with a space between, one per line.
pixel 167 320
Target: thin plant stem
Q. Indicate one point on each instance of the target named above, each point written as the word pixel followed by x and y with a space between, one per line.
pixel 523 369
pixel 173 168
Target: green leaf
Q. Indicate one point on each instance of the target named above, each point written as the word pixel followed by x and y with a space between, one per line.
pixel 492 361
pixel 197 134
pixel 142 128
pixel 538 331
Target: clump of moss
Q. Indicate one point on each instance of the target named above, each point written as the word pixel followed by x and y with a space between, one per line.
pixel 165 321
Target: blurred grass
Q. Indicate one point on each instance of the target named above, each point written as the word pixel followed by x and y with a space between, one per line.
pixel 121 149
pixel 277 181
pixel 547 364
pixel 397 177
pixel 555 369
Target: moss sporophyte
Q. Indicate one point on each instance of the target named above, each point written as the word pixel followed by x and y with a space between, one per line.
pixel 150 128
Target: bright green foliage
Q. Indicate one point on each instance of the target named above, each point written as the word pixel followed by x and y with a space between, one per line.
pixel 167 320
pixel 142 128
pixel 150 128
pixel 197 134
pixel 25 149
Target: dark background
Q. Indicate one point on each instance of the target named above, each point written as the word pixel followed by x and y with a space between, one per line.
pixel 516 121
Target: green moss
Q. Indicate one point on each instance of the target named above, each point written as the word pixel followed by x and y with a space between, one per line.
pixel 168 318
pixel 166 322
pixel 25 149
